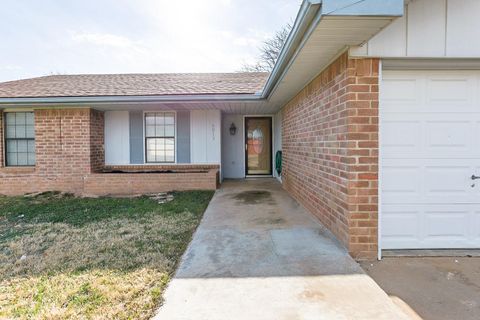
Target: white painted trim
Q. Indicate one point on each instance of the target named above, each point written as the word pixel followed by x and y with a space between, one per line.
pixel 18 109
pixel 145 142
pixel 120 100
pixel 273 144
pixel 122 128
pixel 258 176
pixel 431 64
pixel 380 161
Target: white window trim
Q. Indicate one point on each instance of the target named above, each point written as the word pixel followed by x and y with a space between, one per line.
pixel 145 140
pixel 4 138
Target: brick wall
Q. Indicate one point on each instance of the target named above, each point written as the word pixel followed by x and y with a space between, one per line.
pixel 1 139
pixel 63 147
pixel 70 154
pixel 97 139
pixel 144 183
pixel 63 152
pixel 330 151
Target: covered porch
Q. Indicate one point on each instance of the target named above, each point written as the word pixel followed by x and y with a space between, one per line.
pixel 229 139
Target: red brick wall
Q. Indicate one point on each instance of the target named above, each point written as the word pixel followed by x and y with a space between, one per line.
pixel 62 140
pixel 1 140
pixel 330 151
pixel 63 152
pixel 70 151
pixel 144 183
pixel 97 140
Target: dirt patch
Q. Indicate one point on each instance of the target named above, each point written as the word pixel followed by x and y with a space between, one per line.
pixel 254 197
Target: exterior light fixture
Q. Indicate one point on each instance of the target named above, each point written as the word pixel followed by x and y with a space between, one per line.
pixel 233 129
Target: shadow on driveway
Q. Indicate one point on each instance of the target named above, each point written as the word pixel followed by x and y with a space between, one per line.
pixel 436 288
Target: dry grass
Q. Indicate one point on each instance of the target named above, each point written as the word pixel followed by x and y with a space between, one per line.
pixel 63 257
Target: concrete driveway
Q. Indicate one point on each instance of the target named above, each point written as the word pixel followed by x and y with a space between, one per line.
pixel 436 288
pixel 258 255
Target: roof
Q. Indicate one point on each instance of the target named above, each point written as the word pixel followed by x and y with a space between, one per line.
pixel 91 85
pixel 322 30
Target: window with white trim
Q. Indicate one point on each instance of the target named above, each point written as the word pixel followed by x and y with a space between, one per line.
pixel 19 139
pixel 160 137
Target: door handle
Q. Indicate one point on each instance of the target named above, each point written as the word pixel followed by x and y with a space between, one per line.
pixel 474 177
pixel 246 146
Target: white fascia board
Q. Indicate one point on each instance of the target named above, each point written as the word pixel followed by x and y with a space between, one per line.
pixel 126 99
pixel 384 8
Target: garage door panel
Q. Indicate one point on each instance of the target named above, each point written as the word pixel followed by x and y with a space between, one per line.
pixel 430 135
pixel 450 89
pixel 447 183
pixel 400 137
pixel 401 90
pixel 448 137
pixel 445 224
pixel 400 222
pixel 401 183
pixel 426 226
pixel 475 226
pixel 416 181
pixel 430 147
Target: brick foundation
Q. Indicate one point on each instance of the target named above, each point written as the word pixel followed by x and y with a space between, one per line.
pixel 330 151
pixel 70 157
pixel 144 183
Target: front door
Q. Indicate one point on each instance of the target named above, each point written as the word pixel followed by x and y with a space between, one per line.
pixel 258 145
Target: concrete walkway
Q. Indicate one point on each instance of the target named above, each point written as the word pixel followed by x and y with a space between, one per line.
pixel 258 255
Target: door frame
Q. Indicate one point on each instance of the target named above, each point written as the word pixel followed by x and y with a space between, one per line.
pixel 245 158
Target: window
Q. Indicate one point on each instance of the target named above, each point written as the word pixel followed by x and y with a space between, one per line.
pixel 160 136
pixel 19 139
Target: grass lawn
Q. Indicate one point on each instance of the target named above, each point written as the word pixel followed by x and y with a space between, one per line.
pixel 65 257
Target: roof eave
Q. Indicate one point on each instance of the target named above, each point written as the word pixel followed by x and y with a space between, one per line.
pixel 308 18
pixel 98 100
pixel 309 10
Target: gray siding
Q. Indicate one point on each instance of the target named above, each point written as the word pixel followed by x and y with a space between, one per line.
pixel 136 137
pixel 233 149
pixel 183 137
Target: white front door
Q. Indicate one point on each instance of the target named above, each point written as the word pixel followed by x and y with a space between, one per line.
pixel 430 148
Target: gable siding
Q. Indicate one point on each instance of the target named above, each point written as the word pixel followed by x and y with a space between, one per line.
pixel 429 29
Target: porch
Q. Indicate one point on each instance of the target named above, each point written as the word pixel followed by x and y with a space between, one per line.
pixel 238 144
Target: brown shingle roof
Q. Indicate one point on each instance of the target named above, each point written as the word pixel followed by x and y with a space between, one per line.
pixel 135 85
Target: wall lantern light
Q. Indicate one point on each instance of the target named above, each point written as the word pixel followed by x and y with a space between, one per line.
pixel 233 129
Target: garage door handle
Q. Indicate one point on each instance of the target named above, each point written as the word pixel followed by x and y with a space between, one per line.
pixel 474 177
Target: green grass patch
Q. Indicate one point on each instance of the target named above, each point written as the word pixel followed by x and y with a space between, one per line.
pixel 105 258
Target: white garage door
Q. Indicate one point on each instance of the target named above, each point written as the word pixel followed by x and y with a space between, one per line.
pixel 430 148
